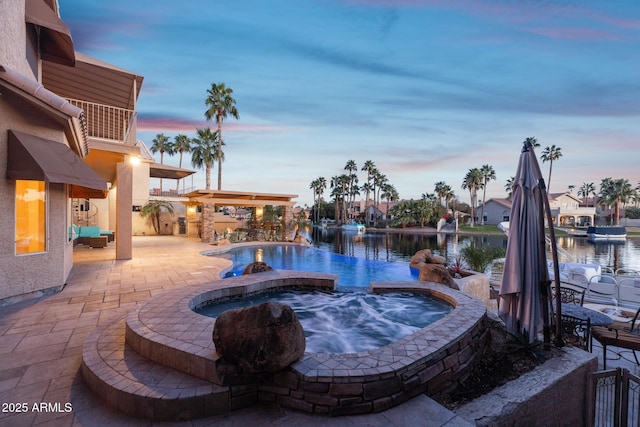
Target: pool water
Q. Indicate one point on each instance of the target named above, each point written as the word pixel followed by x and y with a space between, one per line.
pixel 352 271
pixel 348 322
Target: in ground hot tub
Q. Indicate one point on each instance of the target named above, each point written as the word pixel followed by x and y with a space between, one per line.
pixel 167 330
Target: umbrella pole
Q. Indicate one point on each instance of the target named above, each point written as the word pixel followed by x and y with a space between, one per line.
pixel 558 341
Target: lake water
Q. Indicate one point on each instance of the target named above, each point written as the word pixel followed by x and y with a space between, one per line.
pixel 400 247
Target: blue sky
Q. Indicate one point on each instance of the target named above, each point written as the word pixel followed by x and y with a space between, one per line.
pixel 427 89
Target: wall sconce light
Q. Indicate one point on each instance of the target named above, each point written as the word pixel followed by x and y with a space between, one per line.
pixel 134 160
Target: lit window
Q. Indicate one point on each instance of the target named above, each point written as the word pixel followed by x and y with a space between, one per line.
pixel 31 217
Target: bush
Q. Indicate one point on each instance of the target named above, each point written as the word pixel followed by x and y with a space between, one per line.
pixel 479 258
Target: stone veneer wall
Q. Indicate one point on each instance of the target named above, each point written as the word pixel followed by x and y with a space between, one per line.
pixel 336 396
pixel 208 222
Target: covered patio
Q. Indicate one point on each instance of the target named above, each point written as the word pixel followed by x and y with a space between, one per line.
pixel 210 199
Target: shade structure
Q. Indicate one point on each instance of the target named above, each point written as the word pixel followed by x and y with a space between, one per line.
pixel 55 38
pixel 523 293
pixel 33 158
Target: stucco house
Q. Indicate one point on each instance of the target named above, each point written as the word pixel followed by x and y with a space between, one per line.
pixel 565 210
pixel 67 141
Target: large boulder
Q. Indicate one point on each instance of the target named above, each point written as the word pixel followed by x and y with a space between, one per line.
pixel 437 273
pixel 256 267
pixel 262 338
pixel 420 258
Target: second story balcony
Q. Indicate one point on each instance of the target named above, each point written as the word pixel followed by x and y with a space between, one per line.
pixel 107 122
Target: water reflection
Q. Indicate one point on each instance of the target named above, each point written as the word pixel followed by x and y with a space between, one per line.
pixel 400 247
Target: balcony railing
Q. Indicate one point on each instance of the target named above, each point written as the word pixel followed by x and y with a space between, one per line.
pixel 105 121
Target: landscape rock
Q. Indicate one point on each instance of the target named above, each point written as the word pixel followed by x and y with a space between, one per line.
pixel 256 267
pixel 420 257
pixel 437 273
pixel 262 338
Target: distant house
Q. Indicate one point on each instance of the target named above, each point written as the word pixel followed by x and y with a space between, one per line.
pixel 565 211
pixel 496 211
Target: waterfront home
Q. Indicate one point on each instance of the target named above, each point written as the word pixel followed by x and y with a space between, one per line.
pixel 67 142
pixel 565 210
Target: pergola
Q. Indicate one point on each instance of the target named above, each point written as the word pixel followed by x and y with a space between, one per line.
pixel 209 199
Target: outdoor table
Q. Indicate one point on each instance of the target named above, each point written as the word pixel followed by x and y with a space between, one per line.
pixel 597 318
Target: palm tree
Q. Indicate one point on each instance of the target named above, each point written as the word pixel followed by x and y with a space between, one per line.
pixel 615 192
pixel 473 182
pixel 508 186
pixel 338 192
pixel 221 104
pixel 379 180
pixel 181 143
pixel 448 197
pixel 351 167
pixel 441 188
pixel 153 209
pixel 488 174
pixel 533 141
pixel 371 170
pixel 318 185
pixel 204 152
pixel 549 155
pixel 586 189
pixel 389 193
pixel 162 145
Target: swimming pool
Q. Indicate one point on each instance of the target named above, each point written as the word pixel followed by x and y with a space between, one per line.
pixel 353 272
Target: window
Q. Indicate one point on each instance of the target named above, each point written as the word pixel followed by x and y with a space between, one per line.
pixel 31 217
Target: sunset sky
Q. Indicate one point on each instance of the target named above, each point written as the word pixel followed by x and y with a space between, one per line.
pixel 427 89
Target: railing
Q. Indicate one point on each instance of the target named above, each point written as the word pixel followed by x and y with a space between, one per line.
pixel 105 121
pixel 172 192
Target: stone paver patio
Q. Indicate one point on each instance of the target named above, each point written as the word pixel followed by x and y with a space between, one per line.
pixel 41 342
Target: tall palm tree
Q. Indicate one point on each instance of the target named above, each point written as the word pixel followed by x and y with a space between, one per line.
pixel 339 194
pixel 379 180
pixel 615 192
pixel 550 154
pixel 586 189
pixel 441 190
pixel 318 185
pixel 370 168
pixel 449 195
pixel 533 141
pixel 161 145
pixel 389 193
pixel 351 167
pixel 221 104
pixel 488 174
pixel 181 143
pixel 508 186
pixel 204 152
pixel 473 182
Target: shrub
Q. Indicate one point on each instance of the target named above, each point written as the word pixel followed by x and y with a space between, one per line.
pixel 479 258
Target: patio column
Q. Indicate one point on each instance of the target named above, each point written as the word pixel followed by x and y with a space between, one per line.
pixel 287 215
pixel 208 223
pixel 124 216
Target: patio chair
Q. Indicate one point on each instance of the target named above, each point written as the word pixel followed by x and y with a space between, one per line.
pixel 571 295
pixel 619 335
pixel 575 331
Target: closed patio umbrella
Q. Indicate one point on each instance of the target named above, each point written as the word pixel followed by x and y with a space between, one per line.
pixel 523 293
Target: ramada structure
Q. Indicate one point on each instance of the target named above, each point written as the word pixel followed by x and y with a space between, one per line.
pixel 213 223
